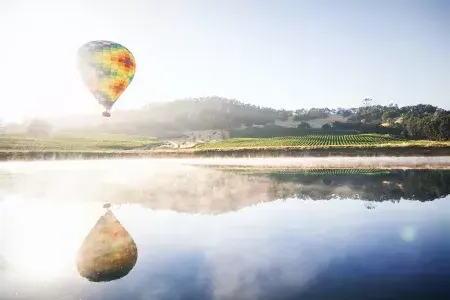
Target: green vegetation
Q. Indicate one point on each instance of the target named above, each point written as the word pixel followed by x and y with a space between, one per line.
pixel 216 126
pixel 318 141
pixel 75 142
pixel 98 146
pixel 231 118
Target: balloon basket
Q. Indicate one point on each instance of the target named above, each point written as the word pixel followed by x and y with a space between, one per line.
pixel 106 114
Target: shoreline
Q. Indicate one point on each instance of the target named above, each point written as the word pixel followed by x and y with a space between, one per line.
pixel 408 151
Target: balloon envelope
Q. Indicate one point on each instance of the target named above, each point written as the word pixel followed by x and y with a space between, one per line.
pixel 106 68
pixel 108 252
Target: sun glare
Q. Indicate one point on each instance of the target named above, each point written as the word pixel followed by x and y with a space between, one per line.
pixel 42 79
pixel 41 240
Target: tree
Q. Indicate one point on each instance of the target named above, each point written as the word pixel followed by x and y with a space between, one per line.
pixel 303 125
pixel 326 127
pixel 346 113
pixel 367 101
pixel 284 115
pixel 300 111
pixel 217 113
pixel 444 128
pixel 389 115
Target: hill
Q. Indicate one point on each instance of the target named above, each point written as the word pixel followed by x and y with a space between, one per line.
pixel 189 121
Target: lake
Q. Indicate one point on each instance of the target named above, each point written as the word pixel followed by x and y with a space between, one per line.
pixel 228 231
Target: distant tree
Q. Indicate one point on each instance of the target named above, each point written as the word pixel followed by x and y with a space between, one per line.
pixel 284 115
pixel 444 128
pixel 346 113
pixel 440 112
pixel 367 101
pixel 38 127
pixel 427 127
pixel 318 113
pixel 419 110
pixel 300 111
pixel 326 127
pixel 389 115
pixel 303 125
pixel 300 118
pixel 218 113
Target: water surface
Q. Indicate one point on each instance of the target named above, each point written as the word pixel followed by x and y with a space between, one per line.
pixel 204 233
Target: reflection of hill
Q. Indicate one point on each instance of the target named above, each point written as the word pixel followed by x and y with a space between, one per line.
pixel 212 192
pixel 157 186
pixel 206 190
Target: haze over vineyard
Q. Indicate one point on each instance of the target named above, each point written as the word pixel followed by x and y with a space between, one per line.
pixel 216 118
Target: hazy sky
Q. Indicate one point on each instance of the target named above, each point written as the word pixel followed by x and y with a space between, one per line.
pixel 275 53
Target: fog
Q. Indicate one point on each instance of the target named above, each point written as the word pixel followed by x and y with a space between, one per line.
pixel 331 162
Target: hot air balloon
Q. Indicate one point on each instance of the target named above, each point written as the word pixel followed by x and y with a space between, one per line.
pixel 106 68
pixel 108 251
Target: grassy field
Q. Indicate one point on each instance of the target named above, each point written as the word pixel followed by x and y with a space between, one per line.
pixel 95 146
pixel 318 141
pixel 75 142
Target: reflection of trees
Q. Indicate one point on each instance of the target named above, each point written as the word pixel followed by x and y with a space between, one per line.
pixel 207 190
pixel 370 204
pixel 422 185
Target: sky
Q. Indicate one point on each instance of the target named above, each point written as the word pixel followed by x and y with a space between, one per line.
pixel 284 54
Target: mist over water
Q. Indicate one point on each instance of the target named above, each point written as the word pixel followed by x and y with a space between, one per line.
pixel 335 161
pixel 208 233
pixel 332 161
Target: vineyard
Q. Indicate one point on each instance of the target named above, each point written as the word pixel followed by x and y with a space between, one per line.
pixel 307 141
pixel 15 146
pixel 75 142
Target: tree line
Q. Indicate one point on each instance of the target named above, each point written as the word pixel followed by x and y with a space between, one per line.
pixel 171 119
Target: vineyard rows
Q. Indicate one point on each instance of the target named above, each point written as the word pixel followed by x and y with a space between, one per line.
pixel 309 140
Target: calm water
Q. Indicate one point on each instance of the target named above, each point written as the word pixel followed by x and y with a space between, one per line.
pixel 204 233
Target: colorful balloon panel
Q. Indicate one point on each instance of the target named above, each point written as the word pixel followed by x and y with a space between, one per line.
pixel 107 68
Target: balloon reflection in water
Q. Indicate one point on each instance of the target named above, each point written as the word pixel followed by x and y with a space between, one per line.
pixel 108 252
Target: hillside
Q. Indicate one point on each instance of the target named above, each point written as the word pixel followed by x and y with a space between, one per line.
pixel 189 121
